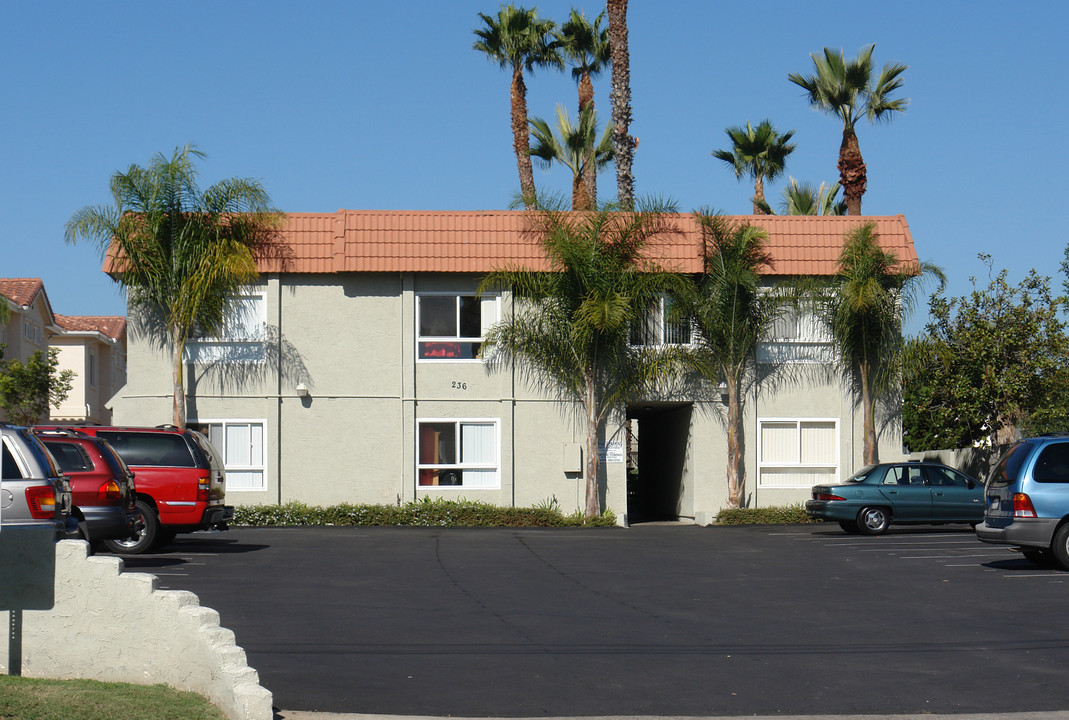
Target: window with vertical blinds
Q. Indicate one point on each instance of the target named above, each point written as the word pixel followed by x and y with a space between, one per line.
pixel 459 453
pixel 241 443
pixel 797 452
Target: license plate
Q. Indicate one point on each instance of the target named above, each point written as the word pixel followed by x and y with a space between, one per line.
pixel 992 502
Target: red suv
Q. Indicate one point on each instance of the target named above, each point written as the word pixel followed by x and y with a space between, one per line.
pixel 102 486
pixel 180 482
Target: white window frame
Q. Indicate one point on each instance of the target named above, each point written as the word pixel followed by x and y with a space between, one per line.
pixel 810 344
pixel 831 469
pixel 657 318
pixel 199 424
pixel 460 465
pixel 237 348
pixel 493 300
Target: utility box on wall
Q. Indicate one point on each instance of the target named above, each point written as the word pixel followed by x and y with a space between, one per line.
pixel 573 458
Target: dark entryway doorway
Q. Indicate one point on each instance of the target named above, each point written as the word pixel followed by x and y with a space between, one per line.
pixel 657 439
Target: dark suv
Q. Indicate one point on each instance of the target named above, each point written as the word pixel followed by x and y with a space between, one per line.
pixel 102 486
pixel 180 483
pixel 1027 500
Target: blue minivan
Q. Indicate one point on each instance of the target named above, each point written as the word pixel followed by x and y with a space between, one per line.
pixel 1027 500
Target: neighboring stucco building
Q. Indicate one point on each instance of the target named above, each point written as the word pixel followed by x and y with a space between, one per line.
pixel 94 348
pixel 351 373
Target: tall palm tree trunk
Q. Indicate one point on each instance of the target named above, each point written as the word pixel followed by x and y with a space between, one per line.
pixel 586 100
pixel 868 418
pixel 593 506
pixel 178 347
pixel 734 468
pixel 521 142
pixel 620 95
pixel 758 196
pixel 852 174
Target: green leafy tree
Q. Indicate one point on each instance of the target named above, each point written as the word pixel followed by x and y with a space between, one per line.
pixel 731 314
pixel 577 147
pixel 988 364
pixel 585 47
pixel 570 326
pixel 863 309
pixel 846 89
pixel 620 96
pixel 182 253
pixel 27 389
pixel 518 40
pixel 759 153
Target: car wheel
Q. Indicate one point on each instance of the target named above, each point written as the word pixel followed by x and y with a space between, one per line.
pixel 164 538
pixel 874 520
pixel 849 526
pixel 1043 558
pixel 1060 547
pixel 146 530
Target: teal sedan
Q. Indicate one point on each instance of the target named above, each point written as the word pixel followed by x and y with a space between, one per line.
pixel 902 493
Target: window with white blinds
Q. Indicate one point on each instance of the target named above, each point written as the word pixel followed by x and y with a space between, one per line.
pixel 797 452
pixel 459 453
pixel 241 443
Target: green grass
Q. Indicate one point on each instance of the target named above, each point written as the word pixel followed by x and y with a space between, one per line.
pixel 33 699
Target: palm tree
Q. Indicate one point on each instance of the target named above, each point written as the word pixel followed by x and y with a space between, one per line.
pixel 620 95
pixel 759 153
pixel 804 199
pixel 863 311
pixel 585 46
pixel 845 89
pixel 181 253
pixel 575 147
pixel 570 326
pixel 731 314
pixel 517 39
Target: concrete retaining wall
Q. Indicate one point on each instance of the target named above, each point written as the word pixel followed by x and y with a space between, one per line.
pixel 114 626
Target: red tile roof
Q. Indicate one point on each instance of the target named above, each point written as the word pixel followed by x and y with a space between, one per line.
pixel 110 326
pixel 479 241
pixel 21 291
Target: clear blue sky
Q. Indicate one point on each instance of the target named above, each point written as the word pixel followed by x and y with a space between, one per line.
pixel 361 105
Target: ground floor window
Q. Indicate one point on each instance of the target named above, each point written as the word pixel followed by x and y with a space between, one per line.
pixel 797 452
pixel 241 443
pixel 459 453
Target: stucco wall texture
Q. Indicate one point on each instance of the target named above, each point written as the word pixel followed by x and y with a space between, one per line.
pixel 114 626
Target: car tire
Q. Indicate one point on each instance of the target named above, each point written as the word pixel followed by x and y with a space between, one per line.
pixel 874 520
pixel 1060 547
pixel 849 526
pixel 1042 558
pixel 147 529
pixel 164 538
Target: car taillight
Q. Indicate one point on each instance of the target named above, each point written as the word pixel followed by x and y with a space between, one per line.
pixel 41 501
pixel 109 491
pixel 828 496
pixel 1022 506
pixel 204 484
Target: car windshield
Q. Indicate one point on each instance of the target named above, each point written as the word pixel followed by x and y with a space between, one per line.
pixel 860 475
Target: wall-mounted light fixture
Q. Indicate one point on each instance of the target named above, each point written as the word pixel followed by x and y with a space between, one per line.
pixel 722 388
pixel 303 391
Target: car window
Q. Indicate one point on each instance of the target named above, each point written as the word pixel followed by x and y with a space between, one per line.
pixel 1052 465
pixel 71 457
pixel 1009 467
pixel 946 477
pixel 861 475
pixel 9 469
pixel 150 448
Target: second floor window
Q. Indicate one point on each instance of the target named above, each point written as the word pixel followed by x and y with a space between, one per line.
pixel 655 328
pixel 798 337
pixel 241 336
pixel 451 327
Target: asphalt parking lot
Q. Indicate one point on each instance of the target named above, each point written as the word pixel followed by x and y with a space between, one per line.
pixel 651 620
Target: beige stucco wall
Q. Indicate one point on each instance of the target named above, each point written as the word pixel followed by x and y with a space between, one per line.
pixel 100 613
pixel 351 339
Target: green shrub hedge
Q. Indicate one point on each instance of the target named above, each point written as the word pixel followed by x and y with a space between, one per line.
pixel 422 513
pixel 789 515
